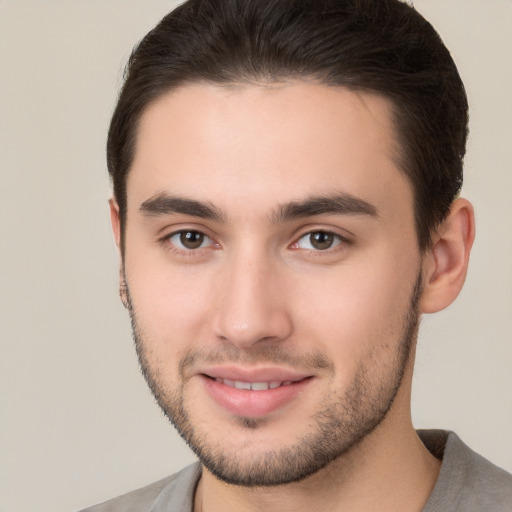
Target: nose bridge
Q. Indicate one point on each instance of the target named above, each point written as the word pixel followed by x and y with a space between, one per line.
pixel 250 307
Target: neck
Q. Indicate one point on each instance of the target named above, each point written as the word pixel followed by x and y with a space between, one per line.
pixel 397 475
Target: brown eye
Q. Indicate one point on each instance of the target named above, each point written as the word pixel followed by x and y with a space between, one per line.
pixel 189 239
pixel 319 241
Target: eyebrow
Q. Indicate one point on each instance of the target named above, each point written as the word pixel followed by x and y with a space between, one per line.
pixel 336 204
pixel 164 204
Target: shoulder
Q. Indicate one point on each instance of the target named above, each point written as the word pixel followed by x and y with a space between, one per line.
pixel 174 493
pixel 467 481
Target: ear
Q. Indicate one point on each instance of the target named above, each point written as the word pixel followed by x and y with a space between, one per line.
pixel 446 262
pixel 115 221
pixel 116 229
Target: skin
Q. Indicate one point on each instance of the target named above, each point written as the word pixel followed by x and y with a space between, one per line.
pixel 256 294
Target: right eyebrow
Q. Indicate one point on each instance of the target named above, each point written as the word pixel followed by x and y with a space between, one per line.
pixel 165 204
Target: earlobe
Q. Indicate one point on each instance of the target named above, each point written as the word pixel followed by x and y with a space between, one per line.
pixel 446 263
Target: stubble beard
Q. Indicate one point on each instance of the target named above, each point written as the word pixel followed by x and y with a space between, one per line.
pixel 341 422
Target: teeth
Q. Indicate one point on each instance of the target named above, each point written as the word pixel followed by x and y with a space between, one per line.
pixel 259 386
pixel 254 386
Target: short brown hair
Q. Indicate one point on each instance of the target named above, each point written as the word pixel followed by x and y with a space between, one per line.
pixel 382 46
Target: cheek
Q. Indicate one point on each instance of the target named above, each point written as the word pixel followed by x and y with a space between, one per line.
pixel 171 307
pixel 357 311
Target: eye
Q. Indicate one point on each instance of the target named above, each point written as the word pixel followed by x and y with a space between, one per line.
pixel 189 240
pixel 318 241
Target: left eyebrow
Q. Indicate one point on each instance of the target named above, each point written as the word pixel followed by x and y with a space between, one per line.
pixel 336 204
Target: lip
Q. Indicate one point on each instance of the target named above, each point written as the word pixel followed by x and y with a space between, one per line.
pixel 251 403
pixel 258 374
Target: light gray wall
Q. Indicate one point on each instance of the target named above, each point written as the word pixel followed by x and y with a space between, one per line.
pixel 77 423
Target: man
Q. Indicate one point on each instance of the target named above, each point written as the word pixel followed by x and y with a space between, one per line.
pixel 286 177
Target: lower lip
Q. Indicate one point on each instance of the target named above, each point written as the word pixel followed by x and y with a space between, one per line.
pixel 253 404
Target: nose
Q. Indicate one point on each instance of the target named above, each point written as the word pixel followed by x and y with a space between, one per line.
pixel 252 306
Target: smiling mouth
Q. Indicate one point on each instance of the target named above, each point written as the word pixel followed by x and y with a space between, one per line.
pixel 254 396
pixel 253 386
pixel 256 385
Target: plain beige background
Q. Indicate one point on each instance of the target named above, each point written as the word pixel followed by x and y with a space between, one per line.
pixel 77 423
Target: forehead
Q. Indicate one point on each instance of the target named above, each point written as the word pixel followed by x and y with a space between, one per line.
pixel 255 145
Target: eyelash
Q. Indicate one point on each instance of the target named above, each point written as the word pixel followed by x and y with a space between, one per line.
pixel 167 244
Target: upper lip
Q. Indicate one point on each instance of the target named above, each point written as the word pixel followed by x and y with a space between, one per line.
pixel 261 374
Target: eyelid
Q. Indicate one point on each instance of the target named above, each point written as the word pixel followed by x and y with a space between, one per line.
pixel 172 229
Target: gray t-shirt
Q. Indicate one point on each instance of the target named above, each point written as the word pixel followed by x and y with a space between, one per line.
pixel 467 483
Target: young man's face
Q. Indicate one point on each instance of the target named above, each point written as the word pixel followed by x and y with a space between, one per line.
pixel 270 244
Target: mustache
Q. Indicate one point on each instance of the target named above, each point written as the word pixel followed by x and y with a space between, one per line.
pixel 268 354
